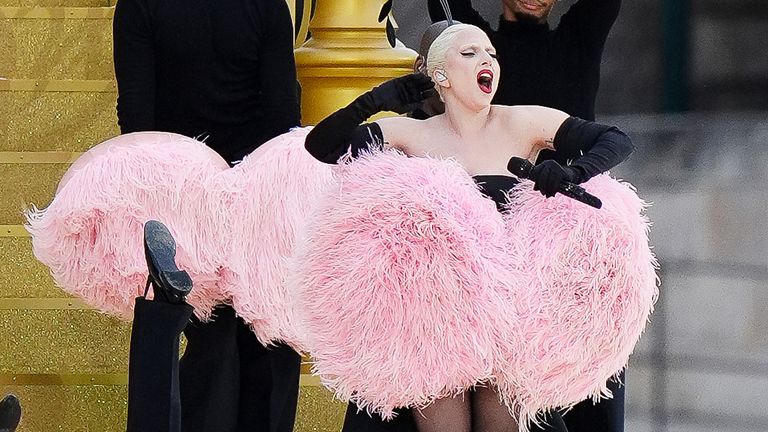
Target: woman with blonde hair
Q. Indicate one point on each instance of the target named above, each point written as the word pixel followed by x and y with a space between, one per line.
pixel 481 138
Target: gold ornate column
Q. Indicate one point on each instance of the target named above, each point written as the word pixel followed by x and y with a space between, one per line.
pixel 347 55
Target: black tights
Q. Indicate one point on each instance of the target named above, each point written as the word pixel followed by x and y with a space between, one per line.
pixel 478 410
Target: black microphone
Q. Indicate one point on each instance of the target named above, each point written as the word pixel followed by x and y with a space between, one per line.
pixel 522 168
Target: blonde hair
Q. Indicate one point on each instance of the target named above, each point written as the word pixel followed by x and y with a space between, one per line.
pixel 438 51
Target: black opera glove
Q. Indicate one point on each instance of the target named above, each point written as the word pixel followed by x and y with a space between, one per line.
pixel 401 95
pixel 331 138
pixel 548 175
pixel 594 148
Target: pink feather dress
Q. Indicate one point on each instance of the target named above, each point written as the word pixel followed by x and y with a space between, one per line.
pixel 412 287
pixel 398 275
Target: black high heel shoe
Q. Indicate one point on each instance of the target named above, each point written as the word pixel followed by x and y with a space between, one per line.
pixel 169 283
pixel 10 413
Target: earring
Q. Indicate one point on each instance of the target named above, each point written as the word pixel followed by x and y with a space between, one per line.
pixel 440 76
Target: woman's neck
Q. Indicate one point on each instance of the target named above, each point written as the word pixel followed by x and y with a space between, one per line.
pixel 466 122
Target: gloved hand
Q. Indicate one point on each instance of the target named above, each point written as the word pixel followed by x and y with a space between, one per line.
pixel 548 175
pixel 330 139
pixel 403 94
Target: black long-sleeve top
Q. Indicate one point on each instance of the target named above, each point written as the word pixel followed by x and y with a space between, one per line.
pixel 222 70
pixel 557 68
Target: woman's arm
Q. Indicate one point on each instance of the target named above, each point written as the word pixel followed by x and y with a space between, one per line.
pixel 594 148
pixel 589 22
pixel 335 134
pixel 461 10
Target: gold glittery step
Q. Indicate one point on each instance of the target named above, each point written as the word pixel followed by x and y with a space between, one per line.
pixel 102 408
pixel 21 275
pixel 318 411
pixel 26 184
pixel 64 336
pixel 56 115
pixel 50 408
pixel 56 43
pixel 66 341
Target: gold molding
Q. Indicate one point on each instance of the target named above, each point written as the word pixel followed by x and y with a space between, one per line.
pixel 305 18
pixel 18 12
pixel 96 86
pixel 13 231
pixel 52 157
pixel 347 54
pixel 96 379
pixel 43 304
pixel 63 379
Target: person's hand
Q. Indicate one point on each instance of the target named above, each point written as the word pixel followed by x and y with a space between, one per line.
pixel 403 94
pixel 548 175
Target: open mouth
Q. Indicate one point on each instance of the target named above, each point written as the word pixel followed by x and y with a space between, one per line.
pixel 485 81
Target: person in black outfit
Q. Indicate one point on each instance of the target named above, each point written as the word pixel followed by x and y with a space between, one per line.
pixel 557 68
pixel 594 147
pixel 224 72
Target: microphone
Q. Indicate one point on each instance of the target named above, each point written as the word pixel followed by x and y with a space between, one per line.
pixel 522 168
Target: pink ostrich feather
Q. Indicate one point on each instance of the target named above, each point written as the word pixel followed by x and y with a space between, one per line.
pixel 234 227
pixel 90 236
pixel 404 283
pixel 270 193
pixel 590 285
pixel 390 275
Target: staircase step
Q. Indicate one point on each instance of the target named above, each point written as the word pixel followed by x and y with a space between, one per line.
pixel 50 408
pixel 21 275
pixel 56 116
pixel 81 341
pixel 56 43
pixel 318 411
pixel 26 184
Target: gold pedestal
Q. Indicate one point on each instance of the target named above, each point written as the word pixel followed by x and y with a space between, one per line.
pixel 347 55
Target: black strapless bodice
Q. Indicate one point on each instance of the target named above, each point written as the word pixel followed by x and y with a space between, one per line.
pixel 496 186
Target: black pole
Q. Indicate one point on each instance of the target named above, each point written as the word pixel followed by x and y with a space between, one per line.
pixel 676 30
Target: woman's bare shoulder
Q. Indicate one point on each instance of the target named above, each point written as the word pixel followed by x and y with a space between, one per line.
pixel 531 116
pixel 396 122
pixel 397 130
pixel 533 112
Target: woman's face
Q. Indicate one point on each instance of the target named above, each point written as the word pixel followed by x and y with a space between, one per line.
pixel 472 69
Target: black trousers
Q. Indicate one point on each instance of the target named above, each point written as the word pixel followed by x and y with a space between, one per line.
pixel 361 421
pixel 153 366
pixel 607 415
pixel 232 383
pixel 226 381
